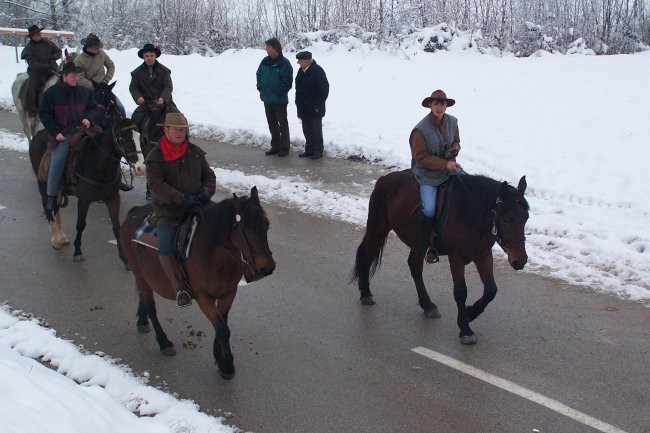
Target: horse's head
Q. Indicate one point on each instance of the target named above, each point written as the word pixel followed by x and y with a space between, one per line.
pixel 104 97
pixel 510 216
pixel 123 138
pixel 250 236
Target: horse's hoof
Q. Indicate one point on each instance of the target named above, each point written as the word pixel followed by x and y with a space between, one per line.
pixel 468 340
pixel 225 375
pixel 368 300
pixel 432 313
pixel 79 258
pixel 168 351
pixel 144 329
pixel 65 241
pixel 56 245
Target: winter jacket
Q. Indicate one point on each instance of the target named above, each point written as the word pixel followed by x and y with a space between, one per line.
pixel 274 80
pixel 432 169
pixel 169 181
pixel 152 86
pixel 63 107
pixel 93 68
pixel 312 89
pixel 41 56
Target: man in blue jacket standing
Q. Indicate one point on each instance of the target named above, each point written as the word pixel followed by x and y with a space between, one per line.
pixel 274 80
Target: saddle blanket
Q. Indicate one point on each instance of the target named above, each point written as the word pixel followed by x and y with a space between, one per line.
pixel 146 235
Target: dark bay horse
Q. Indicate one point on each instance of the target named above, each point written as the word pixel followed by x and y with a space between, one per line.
pixel 230 242
pixel 97 171
pixel 481 211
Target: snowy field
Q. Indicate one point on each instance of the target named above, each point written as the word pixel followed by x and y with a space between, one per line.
pixel 576 126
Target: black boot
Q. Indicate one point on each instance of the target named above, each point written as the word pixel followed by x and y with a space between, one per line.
pixel 169 265
pixel 125 187
pixel 429 251
pixel 52 204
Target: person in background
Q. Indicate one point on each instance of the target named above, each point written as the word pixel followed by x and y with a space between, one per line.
pixel 65 106
pixel 151 87
pixel 180 179
pixel 96 66
pixel 41 55
pixel 274 80
pixel 435 143
pixel 312 89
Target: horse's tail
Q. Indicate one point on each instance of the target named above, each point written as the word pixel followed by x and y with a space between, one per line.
pixel 370 251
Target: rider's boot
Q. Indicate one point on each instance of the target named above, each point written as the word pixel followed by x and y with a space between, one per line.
pixel 430 252
pixel 169 265
pixel 51 204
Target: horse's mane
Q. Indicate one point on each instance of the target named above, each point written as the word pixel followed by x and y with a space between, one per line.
pixel 220 217
pixel 478 195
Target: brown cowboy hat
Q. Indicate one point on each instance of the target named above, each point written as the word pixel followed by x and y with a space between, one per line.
pixel 149 48
pixel 176 120
pixel 438 94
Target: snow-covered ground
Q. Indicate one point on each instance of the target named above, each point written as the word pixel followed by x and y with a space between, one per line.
pixel 576 126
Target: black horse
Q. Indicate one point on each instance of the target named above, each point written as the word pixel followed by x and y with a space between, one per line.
pixel 97 170
pixel 480 212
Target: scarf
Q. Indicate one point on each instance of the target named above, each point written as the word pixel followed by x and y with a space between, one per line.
pixel 172 152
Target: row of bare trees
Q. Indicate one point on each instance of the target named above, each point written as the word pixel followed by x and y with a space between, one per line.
pixel 209 26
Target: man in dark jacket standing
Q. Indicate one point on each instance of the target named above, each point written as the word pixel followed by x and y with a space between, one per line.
pixel 41 56
pixel 312 89
pixel 274 80
pixel 65 107
pixel 179 178
pixel 151 87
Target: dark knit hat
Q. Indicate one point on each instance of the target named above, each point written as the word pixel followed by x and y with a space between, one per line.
pixel 92 40
pixel 304 55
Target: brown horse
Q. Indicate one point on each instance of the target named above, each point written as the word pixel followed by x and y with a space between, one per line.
pixel 480 212
pixel 230 242
pixel 97 171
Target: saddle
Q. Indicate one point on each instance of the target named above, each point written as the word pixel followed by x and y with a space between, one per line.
pixel 146 234
pixel 70 177
pixel 442 209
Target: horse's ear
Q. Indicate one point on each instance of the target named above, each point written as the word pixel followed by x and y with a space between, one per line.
pixel 522 185
pixel 110 86
pixel 503 190
pixel 254 194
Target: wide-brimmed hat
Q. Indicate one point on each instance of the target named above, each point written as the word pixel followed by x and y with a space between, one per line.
pixel 176 120
pixel 70 67
pixel 304 55
pixel 149 48
pixel 438 94
pixel 33 29
pixel 92 40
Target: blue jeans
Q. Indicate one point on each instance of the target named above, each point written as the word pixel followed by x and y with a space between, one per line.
pixel 57 165
pixel 166 234
pixel 428 196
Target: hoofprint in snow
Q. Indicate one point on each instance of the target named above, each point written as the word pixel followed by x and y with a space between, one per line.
pixel 576 126
pixel 86 393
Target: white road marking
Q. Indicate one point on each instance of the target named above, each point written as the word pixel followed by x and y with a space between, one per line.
pixel 506 385
pixel 112 241
pixel 2 207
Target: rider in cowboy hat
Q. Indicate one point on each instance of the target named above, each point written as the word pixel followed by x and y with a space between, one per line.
pixel 41 56
pixel 151 86
pixel 179 179
pixel 435 143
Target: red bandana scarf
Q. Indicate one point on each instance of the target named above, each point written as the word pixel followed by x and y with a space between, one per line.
pixel 170 151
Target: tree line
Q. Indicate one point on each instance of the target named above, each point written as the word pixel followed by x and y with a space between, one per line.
pixel 212 26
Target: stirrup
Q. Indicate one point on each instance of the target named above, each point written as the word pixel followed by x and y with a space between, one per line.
pixel 183 298
pixel 431 256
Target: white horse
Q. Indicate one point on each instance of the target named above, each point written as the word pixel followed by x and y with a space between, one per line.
pixel 31 125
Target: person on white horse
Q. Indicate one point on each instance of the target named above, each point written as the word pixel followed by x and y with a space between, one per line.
pixel 65 107
pixel 96 66
pixel 41 55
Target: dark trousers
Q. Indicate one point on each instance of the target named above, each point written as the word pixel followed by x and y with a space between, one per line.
pixel 276 116
pixel 143 111
pixel 33 86
pixel 312 128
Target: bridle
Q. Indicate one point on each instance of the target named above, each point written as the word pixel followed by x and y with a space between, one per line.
pixel 496 231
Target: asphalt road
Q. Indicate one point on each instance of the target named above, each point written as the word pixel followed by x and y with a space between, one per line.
pixel 309 356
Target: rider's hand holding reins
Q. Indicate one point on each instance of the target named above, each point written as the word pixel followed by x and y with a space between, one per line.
pixel 85 123
pixel 452 165
pixel 140 101
pixel 59 137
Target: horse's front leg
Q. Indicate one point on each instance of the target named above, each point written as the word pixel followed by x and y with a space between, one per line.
pixel 147 305
pixel 82 213
pixel 416 263
pixel 457 266
pixel 113 206
pixel 217 312
pixel 484 266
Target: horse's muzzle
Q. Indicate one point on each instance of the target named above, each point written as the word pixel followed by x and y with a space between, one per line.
pixel 517 259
